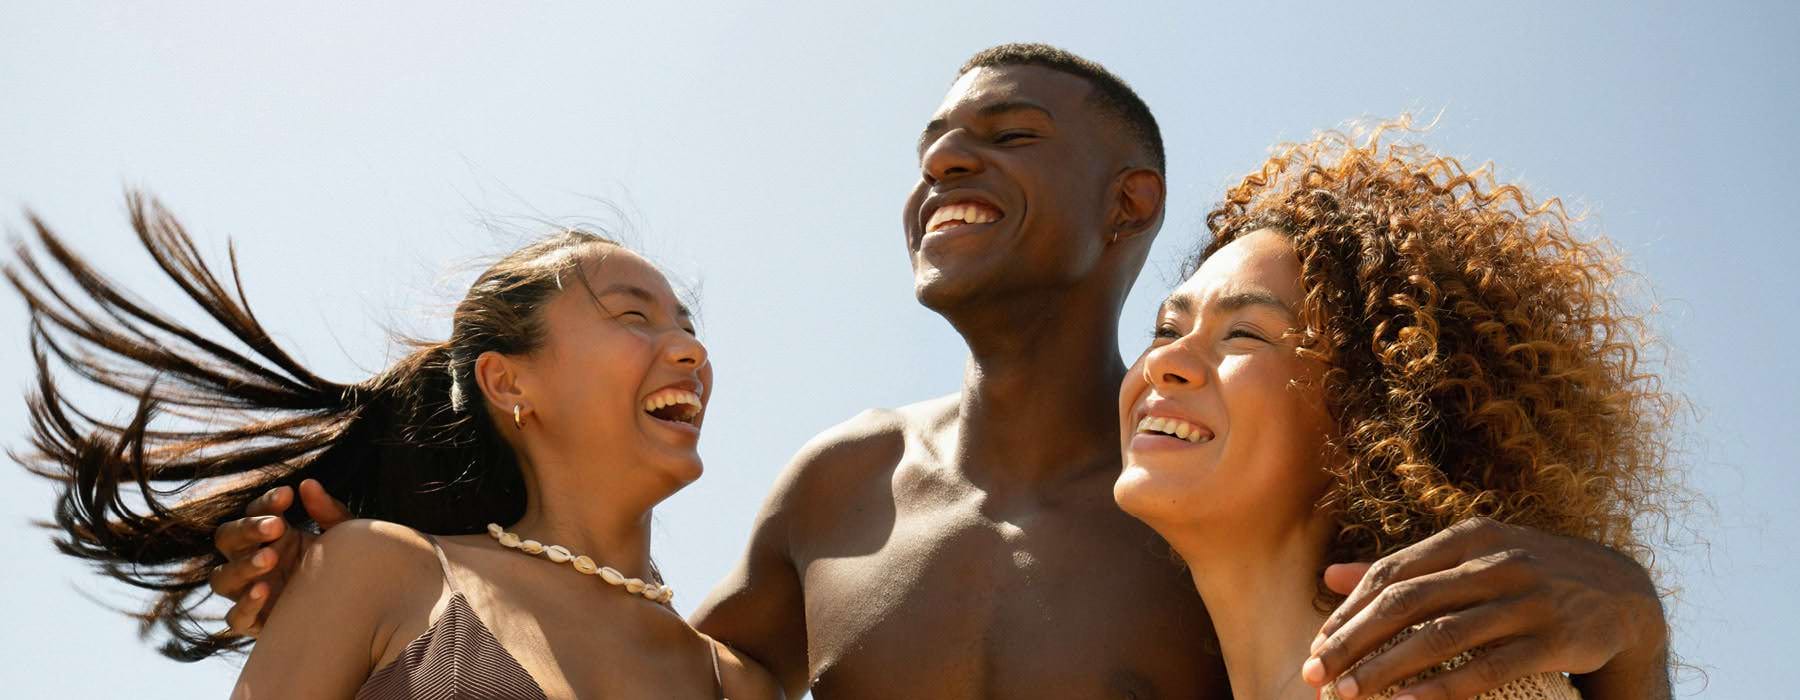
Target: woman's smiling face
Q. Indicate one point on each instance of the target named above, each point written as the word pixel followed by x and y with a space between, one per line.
pixel 1222 421
pixel 620 379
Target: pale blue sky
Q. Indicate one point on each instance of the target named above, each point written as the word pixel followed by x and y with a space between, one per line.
pixel 360 154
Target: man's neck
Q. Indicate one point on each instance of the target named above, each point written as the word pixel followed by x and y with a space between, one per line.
pixel 1260 591
pixel 1040 390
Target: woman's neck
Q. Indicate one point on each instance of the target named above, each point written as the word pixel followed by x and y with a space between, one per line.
pixel 1260 591
pixel 604 524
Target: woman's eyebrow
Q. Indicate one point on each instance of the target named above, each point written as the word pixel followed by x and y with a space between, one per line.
pixel 641 294
pixel 1243 300
pixel 631 290
pixel 1184 303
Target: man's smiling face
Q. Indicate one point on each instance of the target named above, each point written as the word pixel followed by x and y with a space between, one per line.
pixel 1014 172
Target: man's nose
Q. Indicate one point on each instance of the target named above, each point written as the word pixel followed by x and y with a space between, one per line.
pixel 948 158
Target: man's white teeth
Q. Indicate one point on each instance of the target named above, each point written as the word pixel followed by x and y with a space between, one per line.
pixel 961 213
pixel 1176 427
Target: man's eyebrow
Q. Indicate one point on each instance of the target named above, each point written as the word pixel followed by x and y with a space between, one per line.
pixel 932 128
pixel 937 125
pixel 1007 106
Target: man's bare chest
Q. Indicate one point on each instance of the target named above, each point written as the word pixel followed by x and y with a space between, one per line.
pixel 959 599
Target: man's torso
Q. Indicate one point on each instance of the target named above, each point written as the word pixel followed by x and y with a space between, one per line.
pixel 919 583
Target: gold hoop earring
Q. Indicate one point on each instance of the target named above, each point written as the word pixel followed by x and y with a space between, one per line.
pixel 518 419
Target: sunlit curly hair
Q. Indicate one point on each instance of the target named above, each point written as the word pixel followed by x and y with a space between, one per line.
pixel 1482 359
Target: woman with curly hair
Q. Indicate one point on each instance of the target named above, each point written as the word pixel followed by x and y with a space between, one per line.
pixel 1377 344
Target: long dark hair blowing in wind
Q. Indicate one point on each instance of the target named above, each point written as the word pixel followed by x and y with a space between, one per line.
pixel 219 421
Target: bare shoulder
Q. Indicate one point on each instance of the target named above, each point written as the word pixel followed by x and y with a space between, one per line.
pixel 867 446
pixel 372 556
pixel 340 608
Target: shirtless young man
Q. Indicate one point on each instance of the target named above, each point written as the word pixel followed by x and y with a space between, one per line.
pixel 969 546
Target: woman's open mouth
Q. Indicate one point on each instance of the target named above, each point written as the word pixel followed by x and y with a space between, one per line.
pixel 1175 428
pixel 674 406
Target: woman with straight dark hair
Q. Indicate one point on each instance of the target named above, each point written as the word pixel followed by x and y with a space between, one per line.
pixel 565 404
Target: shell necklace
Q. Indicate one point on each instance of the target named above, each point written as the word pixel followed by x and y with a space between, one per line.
pixel 584 565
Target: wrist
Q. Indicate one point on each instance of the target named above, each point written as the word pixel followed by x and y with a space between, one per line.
pixel 1640 669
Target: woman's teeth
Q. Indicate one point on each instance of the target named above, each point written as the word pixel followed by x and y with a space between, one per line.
pixel 967 213
pixel 1176 427
pixel 673 405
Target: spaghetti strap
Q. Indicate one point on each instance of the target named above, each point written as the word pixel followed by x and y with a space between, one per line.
pixel 718 681
pixel 443 562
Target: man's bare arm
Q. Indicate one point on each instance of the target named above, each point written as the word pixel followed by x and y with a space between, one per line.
pixel 758 610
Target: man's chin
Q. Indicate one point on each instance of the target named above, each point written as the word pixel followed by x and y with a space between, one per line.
pixel 940 292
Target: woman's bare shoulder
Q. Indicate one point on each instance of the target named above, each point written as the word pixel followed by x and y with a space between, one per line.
pixel 374 558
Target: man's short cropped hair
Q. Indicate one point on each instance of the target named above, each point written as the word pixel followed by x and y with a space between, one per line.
pixel 1111 94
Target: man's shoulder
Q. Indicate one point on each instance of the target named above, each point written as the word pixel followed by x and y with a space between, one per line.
pixel 866 446
pixel 873 434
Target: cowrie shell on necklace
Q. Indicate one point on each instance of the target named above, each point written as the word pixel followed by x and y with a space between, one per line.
pixel 583 564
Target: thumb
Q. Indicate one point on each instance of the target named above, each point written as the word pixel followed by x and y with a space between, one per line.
pixel 1340 578
pixel 324 510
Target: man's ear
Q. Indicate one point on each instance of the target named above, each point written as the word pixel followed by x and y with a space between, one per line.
pixel 498 376
pixel 1138 195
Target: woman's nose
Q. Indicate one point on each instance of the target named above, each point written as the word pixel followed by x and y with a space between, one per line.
pixel 1175 364
pixel 687 351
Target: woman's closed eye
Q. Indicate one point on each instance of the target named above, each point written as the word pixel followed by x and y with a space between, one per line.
pixel 1245 333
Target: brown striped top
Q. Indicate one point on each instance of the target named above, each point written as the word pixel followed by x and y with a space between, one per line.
pixel 457 658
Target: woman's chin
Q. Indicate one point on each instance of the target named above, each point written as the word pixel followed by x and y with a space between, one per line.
pixel 682 471
pixel 1148 495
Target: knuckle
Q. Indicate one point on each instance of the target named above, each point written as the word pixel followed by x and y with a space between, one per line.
pixel 223 536
pixel 1334 655
pixel 1442 638
pixel 1480 529
pixel 1398 600
pixel 1514 562
pixel 236 620
pixel 1488 671
pixel 1381 574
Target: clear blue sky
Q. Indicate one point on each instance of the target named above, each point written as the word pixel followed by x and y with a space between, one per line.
pixel 359 154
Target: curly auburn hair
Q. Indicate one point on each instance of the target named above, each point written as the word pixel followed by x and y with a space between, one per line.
pixel 1481 362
